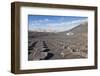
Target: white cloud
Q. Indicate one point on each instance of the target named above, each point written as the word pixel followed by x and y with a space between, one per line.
pixel 46 19
pixel 42 20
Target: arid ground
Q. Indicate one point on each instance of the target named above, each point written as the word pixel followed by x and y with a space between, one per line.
pixel 71 44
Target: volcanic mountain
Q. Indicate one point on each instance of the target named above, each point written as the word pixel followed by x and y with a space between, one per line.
pixel 68 44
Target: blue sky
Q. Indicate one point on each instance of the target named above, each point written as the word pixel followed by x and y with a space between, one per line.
pixel 53 23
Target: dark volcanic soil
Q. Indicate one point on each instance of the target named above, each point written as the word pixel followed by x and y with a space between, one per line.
pixel 71 44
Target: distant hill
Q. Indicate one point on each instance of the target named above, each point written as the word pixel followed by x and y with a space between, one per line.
pixel 78 31
pixel 33 34
pixel 82 28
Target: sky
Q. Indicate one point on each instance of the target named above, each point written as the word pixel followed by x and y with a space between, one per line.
pixel 47 23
